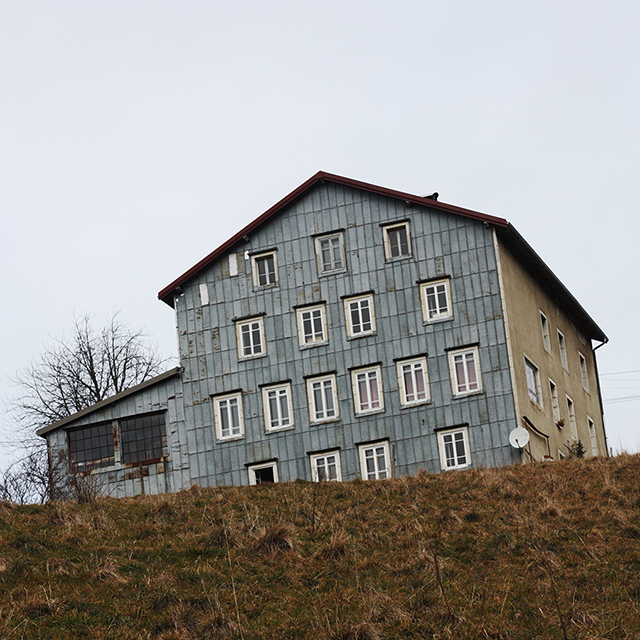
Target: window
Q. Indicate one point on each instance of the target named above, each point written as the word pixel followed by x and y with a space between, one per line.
pixel 583 372
pixel 228 416
pixel 330 253
pixel 143 438
pixel 397 243
pixel 573 427
pixel 592 435
pixel 262 473
pixel 325 467
pixel 323 403
pixel 454 448
pixel 533 382
pixel 374 461
pixel 264 269
pixel 360 316
pixel 367 390
pixel 250 335
pixel 465 371
pixel 544 325
pixel 91 447
pixel 278 412
pixel 413 381
pixel 436 300
pixel 312 326
pixel 563 350
pixel 555 407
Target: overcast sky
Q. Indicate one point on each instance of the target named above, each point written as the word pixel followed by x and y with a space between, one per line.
pixel 137 136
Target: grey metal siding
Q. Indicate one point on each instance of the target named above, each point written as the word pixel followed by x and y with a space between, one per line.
pixel 443 244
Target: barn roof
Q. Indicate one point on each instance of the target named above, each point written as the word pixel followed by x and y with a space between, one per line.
pixel 111 400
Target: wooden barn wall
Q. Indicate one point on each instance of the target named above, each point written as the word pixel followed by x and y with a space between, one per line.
pixel 442 245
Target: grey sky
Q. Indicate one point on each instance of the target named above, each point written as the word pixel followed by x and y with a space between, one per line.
pixel 135 137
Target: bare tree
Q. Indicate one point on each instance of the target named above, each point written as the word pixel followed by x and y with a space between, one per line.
pixel 78 371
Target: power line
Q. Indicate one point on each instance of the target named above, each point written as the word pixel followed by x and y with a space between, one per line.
pixel 618 373
pixel 622 399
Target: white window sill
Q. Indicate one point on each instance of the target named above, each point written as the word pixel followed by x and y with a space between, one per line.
pixel 420 403
pixel 468 393
pixel 364 414
pixel 290 427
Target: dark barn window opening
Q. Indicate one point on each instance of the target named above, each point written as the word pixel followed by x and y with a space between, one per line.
pixel 91 447
pixel 143 438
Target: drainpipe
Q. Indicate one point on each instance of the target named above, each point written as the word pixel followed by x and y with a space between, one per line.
pixel 595 364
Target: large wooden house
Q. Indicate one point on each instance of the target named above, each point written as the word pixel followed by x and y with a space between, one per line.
pixel 352 331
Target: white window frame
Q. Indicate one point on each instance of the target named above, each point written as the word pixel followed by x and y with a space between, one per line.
pixel 317 416
pixel 380 451
pixel 573 425
pixel 544 327
pixel 584 372
pixel 562 346
pixel 223 403
pixel 252 468
pixel 415 369
pixel 312 339
pixel 591 426
pixel 332 266
pixel 368 396
pixel 388 246
pixel 532 375
pixel 467 387
pixel 555 403
pixel 323 460
pixel 434 290
pixel 448 441
pixel 259 321
pixel 272 278
pixel 283 405
pixel 356 304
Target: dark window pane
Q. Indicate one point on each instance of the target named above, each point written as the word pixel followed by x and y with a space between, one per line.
pixel 143 438
pixel 91 447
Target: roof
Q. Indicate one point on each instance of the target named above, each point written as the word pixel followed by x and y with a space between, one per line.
pixel 507 233
pixel 111 400
pixel 166 295
pixel 543 275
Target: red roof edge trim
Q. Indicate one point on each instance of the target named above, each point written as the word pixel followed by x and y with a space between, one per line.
pixel 166 294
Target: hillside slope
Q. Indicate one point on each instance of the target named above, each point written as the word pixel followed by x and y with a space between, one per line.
pixel 536 551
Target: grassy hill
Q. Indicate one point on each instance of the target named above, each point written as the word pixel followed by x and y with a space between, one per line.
pixel 536 551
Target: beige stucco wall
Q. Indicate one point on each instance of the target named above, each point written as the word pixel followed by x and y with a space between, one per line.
pixel 524 299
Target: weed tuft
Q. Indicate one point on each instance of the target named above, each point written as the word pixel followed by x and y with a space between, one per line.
pixel 274 540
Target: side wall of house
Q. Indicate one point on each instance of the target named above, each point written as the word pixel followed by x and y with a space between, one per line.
pixel 169 474
pixel 538 328
pixel 443 246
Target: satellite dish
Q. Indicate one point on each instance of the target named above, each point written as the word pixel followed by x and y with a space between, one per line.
pixel 519 438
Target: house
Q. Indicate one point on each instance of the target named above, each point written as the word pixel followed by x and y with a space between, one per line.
pixel 353 331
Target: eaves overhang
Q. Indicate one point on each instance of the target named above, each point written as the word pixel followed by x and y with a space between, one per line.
pixel 167 294
pixel 111 400
pixel 544 276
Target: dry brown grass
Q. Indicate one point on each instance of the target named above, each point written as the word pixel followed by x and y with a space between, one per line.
pixel 540 551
